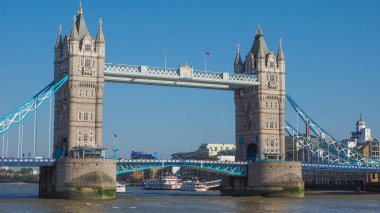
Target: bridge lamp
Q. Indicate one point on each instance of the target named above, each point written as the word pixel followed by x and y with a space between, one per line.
pixel 207 54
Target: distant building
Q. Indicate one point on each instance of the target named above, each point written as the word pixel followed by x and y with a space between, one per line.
pixel 362 134
pixel 371 148
pixel 209 152
pixel 226 155
pixel 220 152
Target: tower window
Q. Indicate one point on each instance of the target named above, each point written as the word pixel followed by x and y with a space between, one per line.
pixel 87 62
pixel 271 64
pixel 85 137
pixel 79 116
pixel 272 77
pixel 87 47
pixel 81 62
pixel 92 94
pixel 80 93
pixel 85 116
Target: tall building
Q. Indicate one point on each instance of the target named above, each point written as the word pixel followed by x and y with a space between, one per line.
pixel 78 104
pixel 260 132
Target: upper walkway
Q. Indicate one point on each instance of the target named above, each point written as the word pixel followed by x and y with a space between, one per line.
pixel 179 77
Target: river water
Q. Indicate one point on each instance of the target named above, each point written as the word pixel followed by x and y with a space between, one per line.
pixel 21 197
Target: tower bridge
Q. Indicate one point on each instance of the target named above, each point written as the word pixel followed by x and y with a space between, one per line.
pixel 258 83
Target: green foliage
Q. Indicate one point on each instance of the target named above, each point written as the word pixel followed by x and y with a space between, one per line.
pixel 23 175
pixel 26 171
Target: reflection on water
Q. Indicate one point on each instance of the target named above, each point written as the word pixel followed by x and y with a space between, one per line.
pixel 24 198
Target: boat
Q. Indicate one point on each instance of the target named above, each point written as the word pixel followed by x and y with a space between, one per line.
pixel 193 185
pixel 167 182
pixel 120 188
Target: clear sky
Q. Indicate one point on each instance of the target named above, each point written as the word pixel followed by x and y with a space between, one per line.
pixel 331 49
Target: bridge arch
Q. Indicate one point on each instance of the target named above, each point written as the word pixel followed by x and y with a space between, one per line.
pixel 252 152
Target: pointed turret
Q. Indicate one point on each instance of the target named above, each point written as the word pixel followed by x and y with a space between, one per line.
pixel 100 35
pixel 238 57
pixel 259 43
pixel 80 23
pixel 238 64
pixel 280 54
pixel 74 33
pixel 59 41
pixel 261 52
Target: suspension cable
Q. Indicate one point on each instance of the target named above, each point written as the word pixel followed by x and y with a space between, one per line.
pixel 35 133
pixel 6 146
pixel 50 128
pixel 19 140
pixel 2 151
pixel 22 138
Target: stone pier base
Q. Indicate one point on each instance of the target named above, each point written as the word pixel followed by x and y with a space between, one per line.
pixel 272 179
pixel 79 178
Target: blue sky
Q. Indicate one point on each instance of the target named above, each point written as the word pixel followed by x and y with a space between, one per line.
pixel 331 50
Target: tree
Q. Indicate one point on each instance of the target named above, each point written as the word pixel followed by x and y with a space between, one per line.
pixel 26 171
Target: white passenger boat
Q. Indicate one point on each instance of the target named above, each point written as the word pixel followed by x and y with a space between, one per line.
pixel 168 182
pixel 120 188
pixel 193 185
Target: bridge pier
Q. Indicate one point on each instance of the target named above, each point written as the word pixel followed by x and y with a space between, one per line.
pixel 79 178
pixel 271 179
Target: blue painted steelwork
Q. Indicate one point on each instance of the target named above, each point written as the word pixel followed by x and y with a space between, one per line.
pixel 337 147
pixel 24 110
pixel 315 149
pixel 230 168
pixel 311 166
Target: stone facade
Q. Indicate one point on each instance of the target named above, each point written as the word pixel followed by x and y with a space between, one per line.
pixel 79 104
pixel 272 179
pixel 260 132
pixel 80 171
pixel 76 178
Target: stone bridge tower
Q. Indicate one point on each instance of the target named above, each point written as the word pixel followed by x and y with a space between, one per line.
pixel 80 172
pixel 260 133
pixel 78 105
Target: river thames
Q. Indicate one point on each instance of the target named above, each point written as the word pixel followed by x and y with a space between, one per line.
pixel 21 197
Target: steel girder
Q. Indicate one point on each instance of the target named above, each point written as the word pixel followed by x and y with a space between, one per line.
pixel 230 168
pixel 338 147
pixel 24 110
pixel 313 147
pixel 332 167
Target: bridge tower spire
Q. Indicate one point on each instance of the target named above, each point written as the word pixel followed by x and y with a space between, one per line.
pixel 79 109
pixel 78 123
pixel 260 133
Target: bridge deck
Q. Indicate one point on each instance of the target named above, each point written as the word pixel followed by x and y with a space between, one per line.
pixel 178 77
pixel 227 167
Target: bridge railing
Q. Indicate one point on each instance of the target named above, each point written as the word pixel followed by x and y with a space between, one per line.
pixel 176 77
